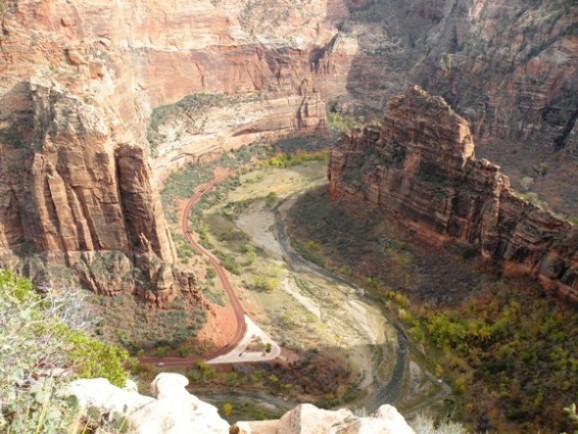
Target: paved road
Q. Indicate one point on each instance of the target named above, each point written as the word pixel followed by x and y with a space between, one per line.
pixel 221 273
pixel 243 352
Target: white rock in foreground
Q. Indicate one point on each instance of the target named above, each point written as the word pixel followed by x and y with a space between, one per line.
pixel 174 411
pixel 308 419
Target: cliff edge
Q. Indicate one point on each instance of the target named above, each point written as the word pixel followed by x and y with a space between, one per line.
pixel 420 167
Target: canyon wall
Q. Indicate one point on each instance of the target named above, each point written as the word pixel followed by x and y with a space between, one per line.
pixel 420 167
pixel 101 100
pixel 72 198
pixel 508 67
pixel 92 91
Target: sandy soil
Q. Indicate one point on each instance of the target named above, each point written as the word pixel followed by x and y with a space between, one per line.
pixel 221 173
pixel 220 326
pixel 290 288
pixel 317 312
pixel 258 223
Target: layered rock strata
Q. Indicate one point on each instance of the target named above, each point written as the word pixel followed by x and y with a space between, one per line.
pixel 420 167
pixel 99 101
pixel 246 78
pixel 181 79
pixel 510 67
pixel 71 197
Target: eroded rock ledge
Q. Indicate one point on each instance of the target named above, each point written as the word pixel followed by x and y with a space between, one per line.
pixel 419 166
pixel 101 101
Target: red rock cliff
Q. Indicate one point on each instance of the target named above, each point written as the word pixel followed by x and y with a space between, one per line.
pixel 72 198
pixel 419 166
pixel 509 67
pixel 90 90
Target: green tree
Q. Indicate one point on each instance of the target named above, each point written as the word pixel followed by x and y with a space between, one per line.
pixel 211 273
pixel 271 198
pixel 268 284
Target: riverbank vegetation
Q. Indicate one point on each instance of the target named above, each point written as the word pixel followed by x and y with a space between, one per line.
pixel 312 376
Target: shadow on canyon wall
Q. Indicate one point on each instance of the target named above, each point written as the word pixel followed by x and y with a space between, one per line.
pixel 511 72
pixel 16 193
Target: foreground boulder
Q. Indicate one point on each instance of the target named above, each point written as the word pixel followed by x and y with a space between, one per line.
pixel 308 419
pixel 172 410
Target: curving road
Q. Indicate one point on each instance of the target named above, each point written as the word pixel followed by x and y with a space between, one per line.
pixel 221 273
pixel 236 350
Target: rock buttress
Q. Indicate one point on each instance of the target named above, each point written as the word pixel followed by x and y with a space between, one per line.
pixel 73 197
pixel 419 166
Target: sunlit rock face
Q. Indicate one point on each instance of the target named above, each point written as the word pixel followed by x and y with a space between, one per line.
pixel 92 89
pixel 308 419
pixel 419 166
pixel 171 410
pixel 239 70
pixel 101 100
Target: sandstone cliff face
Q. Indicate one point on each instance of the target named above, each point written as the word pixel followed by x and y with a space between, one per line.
pixel 266 63
pixel 84 87
pixel 180 79
pixel 508 67
pixel 71 197
pixel 419 165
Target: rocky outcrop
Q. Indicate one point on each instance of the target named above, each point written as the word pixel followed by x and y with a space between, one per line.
pixel 99 101
pixel 510 67
pixel 308 419
pixel 419 166
pixel 173 410
pixel 245 78
pixel 73 197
